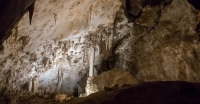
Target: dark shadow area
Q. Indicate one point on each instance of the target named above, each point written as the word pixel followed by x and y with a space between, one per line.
pixel 198 28
pixel 167 92
pixel 195 3
pixel 163 92
pixel 134 8
pixel 12 11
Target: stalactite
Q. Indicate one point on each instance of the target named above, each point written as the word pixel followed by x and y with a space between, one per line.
pixel 90 14
pixel 64 57
pixel 13 35
pixel 82 53
pixel 107 42
pixel 86 56
pixel 79 39
pixel 92 54
pixel 60 79
pixel 110 39
pixel 55 40
pixel 55 17
pixel 72 45
pixel 75 46
pixel 25 40
pixel 16 33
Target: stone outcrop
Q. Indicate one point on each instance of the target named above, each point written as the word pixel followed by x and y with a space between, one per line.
pixel 162 46
pixel 114 77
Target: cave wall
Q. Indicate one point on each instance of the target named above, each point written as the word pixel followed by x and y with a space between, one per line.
pixel 154 41
pixel 54 50
pixel 163 44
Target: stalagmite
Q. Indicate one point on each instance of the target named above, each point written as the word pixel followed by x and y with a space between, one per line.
pixel 29 84
pixel 55 17
pixel 107 42
pixel 35 84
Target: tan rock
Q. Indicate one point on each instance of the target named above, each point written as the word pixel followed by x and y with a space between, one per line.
pixel 114 77
pixel 60 97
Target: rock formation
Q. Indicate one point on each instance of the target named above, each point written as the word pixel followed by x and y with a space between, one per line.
pixel 71 42
pixel 114 77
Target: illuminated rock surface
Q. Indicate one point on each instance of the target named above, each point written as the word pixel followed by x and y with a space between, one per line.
pixel 56 46
pixel 114 77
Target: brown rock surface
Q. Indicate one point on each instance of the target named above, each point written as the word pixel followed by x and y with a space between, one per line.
pixel 167 50
pixel 113 77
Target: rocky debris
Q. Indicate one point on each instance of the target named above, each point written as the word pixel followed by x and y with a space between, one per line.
pixel 111 88
pixel 60 97
pixel 125 85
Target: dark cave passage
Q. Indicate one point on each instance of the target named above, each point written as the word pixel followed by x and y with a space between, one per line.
pixel 195 3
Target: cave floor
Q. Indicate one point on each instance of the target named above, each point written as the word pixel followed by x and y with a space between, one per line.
pixel 168 92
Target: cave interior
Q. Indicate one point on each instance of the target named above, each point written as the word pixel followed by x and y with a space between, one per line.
pixel 100 52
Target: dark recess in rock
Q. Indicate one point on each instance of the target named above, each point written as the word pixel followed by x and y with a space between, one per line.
pixel 198 28
pixel 167 2
pixel 12 11
pixel 195 3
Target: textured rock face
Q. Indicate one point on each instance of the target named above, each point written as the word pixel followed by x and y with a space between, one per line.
pixel 153 41
pixel 114 77
pixel 168 49
pixel 52 54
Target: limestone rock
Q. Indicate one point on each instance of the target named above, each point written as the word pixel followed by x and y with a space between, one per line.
pixel 114 77
pixel 153 40
pixel 60 97
pixel 168 51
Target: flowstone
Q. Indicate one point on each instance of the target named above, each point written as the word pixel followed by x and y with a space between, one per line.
pixel 90 87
